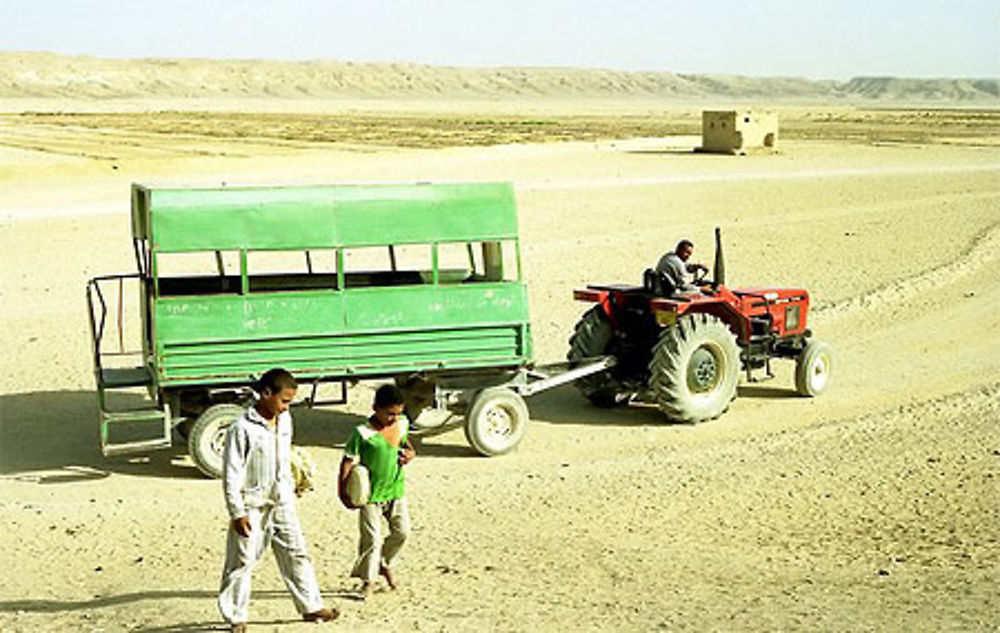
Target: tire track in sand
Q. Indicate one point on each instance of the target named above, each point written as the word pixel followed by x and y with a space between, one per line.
pixel 982 401
pixel 984 248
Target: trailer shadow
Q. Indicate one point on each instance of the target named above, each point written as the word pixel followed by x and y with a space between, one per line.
pixel 767 393
pixel 331 428
pixel 52 437
pixel 324 427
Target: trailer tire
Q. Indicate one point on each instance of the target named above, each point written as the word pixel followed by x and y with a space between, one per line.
pixel 593 336
pixel 208 435
pixel 813 367
pixel 496 422
pixel 694 371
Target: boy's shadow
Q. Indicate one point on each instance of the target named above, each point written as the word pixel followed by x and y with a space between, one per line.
pixel 44 605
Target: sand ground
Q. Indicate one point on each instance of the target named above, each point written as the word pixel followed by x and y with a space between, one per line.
pixel 873 507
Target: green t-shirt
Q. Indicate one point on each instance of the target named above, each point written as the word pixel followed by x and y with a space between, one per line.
pixel 380 458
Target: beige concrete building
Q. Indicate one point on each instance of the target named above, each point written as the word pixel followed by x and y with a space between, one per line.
pixel 738 131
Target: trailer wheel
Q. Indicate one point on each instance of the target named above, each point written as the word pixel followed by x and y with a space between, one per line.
pixel 208 437
pixel 813 367
pixel 496 422
pixel 695 369
pixel 592 337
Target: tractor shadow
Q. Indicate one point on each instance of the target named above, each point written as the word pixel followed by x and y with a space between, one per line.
pixel 767 393
pixel 565 405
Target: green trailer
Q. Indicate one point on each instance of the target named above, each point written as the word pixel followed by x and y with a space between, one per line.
pixel 417 283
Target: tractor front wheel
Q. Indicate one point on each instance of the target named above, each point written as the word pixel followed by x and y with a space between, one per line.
pixel 813 367
pixel 496 422
pixel 594 336
pixel 207 438
pixel 694 371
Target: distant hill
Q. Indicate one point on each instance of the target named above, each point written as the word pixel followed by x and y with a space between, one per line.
pixel 927 89
pixel 43 75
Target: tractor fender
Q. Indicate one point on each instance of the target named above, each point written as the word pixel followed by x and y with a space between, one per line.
pixel 717 307
pixel 731 316
pixel 604 298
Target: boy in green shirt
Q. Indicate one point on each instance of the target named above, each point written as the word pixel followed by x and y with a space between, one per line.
pixel 383 447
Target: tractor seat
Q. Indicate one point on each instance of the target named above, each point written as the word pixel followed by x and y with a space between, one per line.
pixel 660 284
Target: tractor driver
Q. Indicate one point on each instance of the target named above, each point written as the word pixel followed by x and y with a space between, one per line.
pixel 675 266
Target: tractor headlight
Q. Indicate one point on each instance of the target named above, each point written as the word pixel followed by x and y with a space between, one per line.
pixel 792 317
pixel 666 318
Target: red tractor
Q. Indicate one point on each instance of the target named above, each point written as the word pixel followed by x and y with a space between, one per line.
pixel 684 352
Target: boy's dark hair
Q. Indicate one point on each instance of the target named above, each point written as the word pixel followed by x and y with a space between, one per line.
pixel 276 380
pixel 683 244
pixel 388 395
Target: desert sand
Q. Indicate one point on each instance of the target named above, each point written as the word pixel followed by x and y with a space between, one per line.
pixel 873 507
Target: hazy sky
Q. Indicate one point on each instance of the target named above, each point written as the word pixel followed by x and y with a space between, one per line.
pixel 811 38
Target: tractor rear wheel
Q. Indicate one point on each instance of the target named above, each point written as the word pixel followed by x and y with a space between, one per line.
pixel 208 437
pixel 593 336
pixel 812 368
pixel 695 369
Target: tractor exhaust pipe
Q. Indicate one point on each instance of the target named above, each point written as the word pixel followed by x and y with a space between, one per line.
pixel 719 276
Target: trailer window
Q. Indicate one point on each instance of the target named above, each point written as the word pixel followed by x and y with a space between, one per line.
pixel 282 271
pixel 399 265
pixel 198 273
pixel 457 261
pixel 478 261
pixel 511 261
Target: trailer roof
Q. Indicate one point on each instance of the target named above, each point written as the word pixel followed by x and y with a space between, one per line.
pixel 323 216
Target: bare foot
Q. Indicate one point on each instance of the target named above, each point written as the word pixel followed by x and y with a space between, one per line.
pixel 323 615
pixel 389 577
pixel 367 590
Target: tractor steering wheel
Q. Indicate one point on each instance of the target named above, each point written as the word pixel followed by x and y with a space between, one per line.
pixel 700 275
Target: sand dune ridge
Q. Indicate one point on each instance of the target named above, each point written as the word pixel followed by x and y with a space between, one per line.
pixel 36 75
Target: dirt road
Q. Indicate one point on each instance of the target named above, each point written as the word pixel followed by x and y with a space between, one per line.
pixel 874 507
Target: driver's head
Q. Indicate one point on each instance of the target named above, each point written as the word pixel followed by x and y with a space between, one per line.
pixel 684 249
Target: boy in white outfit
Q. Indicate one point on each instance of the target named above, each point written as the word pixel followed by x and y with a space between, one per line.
pixel 260 496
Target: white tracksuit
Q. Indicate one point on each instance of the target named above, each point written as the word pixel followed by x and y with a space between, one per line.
pixel 257 482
